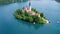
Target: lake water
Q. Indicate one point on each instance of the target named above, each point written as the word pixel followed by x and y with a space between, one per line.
pixel 10 25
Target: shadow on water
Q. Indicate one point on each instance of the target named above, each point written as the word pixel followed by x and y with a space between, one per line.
pixel 57 1
pixel 36 26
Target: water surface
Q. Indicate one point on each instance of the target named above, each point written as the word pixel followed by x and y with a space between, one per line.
pixel 10 25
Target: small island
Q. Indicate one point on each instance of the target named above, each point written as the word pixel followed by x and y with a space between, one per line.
pixel 30 15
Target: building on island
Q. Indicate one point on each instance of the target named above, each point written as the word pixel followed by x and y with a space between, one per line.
pixel 37 14
pixel 28 9
pixel 32 12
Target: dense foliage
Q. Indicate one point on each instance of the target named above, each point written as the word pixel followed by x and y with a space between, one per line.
pixel 23 15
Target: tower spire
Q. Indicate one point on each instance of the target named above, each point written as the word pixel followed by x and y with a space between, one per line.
pixel 29 5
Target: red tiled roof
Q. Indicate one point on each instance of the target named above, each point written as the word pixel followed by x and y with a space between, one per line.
pixel 31 12
pixel 26 8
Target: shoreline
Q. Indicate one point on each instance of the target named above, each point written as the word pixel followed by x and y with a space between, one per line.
pixel 47 21
pixel 31 16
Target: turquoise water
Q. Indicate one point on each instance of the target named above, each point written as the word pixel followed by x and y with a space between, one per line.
pixel 10 25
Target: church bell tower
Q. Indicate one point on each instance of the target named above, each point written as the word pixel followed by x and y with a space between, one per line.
pixel 29 6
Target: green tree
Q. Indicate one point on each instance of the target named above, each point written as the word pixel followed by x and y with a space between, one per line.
pixel 39 20
pixel 26 13
pixel 41 14
pixel 35 10
pixel 29 19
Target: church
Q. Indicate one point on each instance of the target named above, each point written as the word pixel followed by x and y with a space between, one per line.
pixel 28 9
